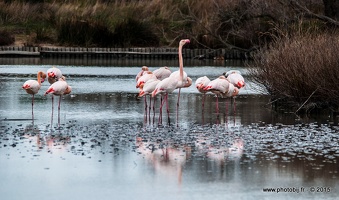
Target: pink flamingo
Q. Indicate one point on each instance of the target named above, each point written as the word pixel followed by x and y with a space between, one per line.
pixel 144 78
pixel 143 70
pixel 221 87
pixel 33 86
pixel 181 76
pixel 162 73
pixel 59 88
pixel 200 84
pixel 234 77
pixel 147 89
pixel 53 74
pixel 165 86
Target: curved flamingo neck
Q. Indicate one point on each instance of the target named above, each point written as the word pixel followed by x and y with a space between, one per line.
pixel 40 73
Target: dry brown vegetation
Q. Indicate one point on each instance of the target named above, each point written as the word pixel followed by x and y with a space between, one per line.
pixel 303 69
pixel 235 24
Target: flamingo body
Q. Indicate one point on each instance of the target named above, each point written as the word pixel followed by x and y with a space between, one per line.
pixel 167 85
pixel 201 83
pixel 162 73
pixel 31 86
pixel 235 77
pixel 144 78
pixel 149 87
pixel 141 73
pixel 59 88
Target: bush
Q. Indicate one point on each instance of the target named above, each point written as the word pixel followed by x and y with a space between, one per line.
pixel 6 38
pixel 301 69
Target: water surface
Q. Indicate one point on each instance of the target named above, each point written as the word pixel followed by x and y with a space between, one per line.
pixel 106 147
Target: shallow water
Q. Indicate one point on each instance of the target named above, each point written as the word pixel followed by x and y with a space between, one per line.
pixel 105 147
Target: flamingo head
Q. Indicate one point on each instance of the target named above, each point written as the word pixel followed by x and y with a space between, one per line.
pixel 241 84
pixel 183 42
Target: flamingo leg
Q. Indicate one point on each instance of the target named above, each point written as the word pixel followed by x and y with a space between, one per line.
pixel 178 105
pixel 153 109
pixel 33 109
pixel 145 99
pixel 217 109
pixel 234 110
pixel 203 101
pixel 167 108
pixel 226 116
pixel 59 110
pixel 161 104
pixel 149 109
pixel 52 109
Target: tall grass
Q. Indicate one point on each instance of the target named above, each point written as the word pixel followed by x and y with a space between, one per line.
pixel 303 69
pixel 209 23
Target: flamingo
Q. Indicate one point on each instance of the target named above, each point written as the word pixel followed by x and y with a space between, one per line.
pixel 33 86
pixel 53 74
pixel 147 89
pixel 144 78
pixel 165 86
pixel 59 88
pixel 221 87
pixel 235 77
pixel 162 73
pixel 200 84
pixel 143 70
pixel 180 75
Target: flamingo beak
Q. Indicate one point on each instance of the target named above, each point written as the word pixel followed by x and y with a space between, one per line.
pixel 25 86
pixel 42 80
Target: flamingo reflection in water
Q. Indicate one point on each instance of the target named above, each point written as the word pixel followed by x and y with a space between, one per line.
pixel 55 144
pixel 167 161
pixel 221 153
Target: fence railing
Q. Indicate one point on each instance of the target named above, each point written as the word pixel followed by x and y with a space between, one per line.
pixel 161 53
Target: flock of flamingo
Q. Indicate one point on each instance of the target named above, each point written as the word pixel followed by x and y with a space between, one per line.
pixel 58 87
pixel 159 82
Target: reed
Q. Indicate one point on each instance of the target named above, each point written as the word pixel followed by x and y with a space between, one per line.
pixel 302 69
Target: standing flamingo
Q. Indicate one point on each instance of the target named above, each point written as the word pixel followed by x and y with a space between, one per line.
pixel 59 88
pixel 181 76
pixel 53 74
pixel 221 87
pixel 148 88
pixel 200 84
pixel 33 86
pixel 165 86
pixel 235 77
